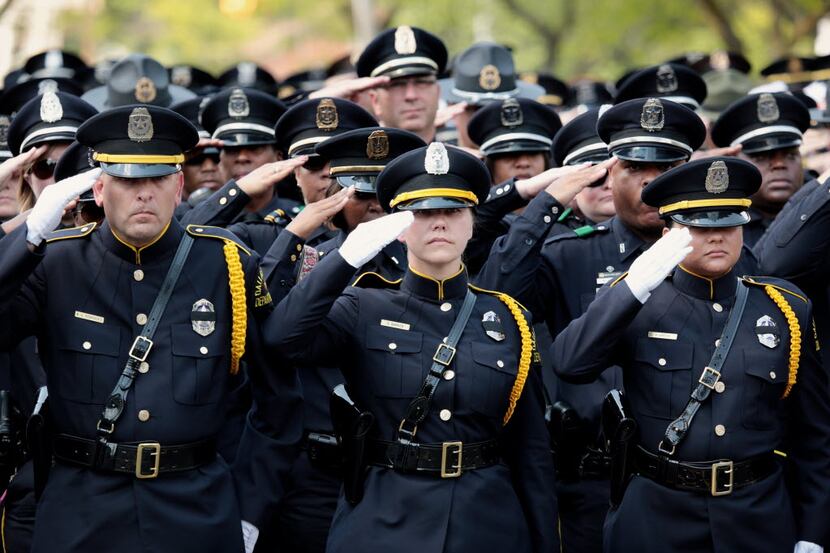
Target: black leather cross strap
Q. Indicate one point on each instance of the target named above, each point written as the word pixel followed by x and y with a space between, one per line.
pixel 708 379
pixel 142 459
pixel 142 345
pixel 444 460
pixel 418 408
pixel 713 477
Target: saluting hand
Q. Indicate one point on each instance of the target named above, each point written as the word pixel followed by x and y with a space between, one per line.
pixel 655 264
pixel 564 183
pixel 366 241
pixel 730 151
pixel 348 89
pixel 50 206
pixel 11 168
pixel 266 176
pixel 317 213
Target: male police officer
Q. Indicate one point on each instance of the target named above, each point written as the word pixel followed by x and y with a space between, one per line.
pixel 142 327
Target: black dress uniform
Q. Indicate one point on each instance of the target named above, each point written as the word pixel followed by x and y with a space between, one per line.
pixel 383 339
pixel 86 295
pixel 723 488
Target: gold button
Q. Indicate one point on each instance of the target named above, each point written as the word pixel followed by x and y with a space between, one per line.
pixel 87 345
pixel 772 375
pixel 661 362
pixel 144 415
pixel 393 346
pixel 223 200
pixel 293 257
pixel 299 247
pixel 717 307
pixel 445 415
pixel 720 430
pixel 144 367
pixel 720 387
pixel 232 192
pixel 500 363
pixel 449 374
pixel 141 319
pixel 138 274
pixel 203 350
pixel 446 306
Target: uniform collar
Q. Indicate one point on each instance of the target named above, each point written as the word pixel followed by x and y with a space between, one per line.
pixel 628 243
pixel 439 290
pixel 704 288
pixel 164 244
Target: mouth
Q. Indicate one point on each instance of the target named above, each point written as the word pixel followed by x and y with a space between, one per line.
pixel 717 253
pixel 439 240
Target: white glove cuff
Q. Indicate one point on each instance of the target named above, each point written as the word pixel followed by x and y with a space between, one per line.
pixel 640 292
pixel 250 534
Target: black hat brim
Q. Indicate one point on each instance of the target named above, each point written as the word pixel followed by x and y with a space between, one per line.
pixel 360 183
pixel 719 218
pixel 425 204
pixel 516 147
pixel 770 143
pixel 139 170
pixel 650 153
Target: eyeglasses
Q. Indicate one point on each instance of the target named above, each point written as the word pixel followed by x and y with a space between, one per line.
pixel 44 168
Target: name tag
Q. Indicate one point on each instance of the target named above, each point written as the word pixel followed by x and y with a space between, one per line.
pixel 89 317
pixel 394 324
pixel 662 335
pixel 606 277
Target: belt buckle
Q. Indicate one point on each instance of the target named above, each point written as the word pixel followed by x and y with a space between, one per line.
pixel 709 377
pixel 153 448
pixel 447 449
pixel 141 348
pixel 728 465
pixel 444 354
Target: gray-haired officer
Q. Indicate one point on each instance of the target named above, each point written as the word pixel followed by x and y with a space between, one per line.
pixel 723 378
pixel 144 327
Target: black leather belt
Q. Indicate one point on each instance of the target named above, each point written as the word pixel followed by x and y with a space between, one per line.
pixel 142 459
pixel 713 477
pixel 447 459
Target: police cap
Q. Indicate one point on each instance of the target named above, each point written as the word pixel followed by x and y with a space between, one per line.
pixel 578 141
pixel 242 116
pixel 51 117
pixel 514 125
pixel 401 52
pixel 310 122
pixel 669 81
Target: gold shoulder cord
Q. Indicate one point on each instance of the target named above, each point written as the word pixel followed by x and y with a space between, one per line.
pixel 524 357
pixel 236 281
pixel 795 335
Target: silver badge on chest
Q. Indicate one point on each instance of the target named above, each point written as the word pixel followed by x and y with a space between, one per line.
pixel 767 332
pixel 492 326
pixel 203 317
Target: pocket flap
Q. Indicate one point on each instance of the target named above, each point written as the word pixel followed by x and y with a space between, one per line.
pixel 89 337
pixel 760 365
pixel 186 342
pixel 394 341
pixel 665 355
pixel 494 357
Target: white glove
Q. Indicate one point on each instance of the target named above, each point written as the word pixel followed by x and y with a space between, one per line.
pixel 366 241
pixel 250 534
pixel 655 264
pixel 48 210
pixel 808 547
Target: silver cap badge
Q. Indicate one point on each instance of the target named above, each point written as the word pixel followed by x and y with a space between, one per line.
pixel 405 40
pixel 140 126
pixel 437 161
pixel 51 109
pixel 717 178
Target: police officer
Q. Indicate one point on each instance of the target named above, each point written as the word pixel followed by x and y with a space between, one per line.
pixel 745 351
pixel 470 469
pixel 139 393
pixel 769 128
pixel 668 81
pixel 201 164
pixel 412 58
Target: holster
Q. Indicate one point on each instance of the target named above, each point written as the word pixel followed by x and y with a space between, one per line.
pixel 39 440
pixel 620 433
pixel 568 439
pixel 12 448
pixel 323 451
pixel 352 426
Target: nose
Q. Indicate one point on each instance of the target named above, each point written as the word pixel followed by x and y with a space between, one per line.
pixel 410 91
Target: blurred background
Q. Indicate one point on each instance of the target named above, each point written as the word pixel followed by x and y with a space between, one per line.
pixel 598 39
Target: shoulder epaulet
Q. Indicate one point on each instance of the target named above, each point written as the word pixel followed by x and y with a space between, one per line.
pixel 277 217
pixel 777 283
pixel 205 231
pixel 370 279
pixel 497 294
pixel 74 232
pixel 579 232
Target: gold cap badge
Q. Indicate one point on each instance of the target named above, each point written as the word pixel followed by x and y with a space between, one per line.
pixel 377 146
pixel 489 77
pixel 145 90
pixel 327 119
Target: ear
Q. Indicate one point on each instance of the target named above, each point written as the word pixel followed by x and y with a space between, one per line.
pixel 665 230
pixel 97 192
pixel 179 187
pixel 374 98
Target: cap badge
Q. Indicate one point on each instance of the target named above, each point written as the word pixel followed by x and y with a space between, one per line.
pixel 203 317
pixel 666 79
pixel 327 119
pixel 377 146
pixel 246 73
pixel 652 117
pixel 145 90
pixel 53 59
pixel 511 113
pixel 492 326
pixel 4 130
pixel 767 332
pixel 719 61
pixel 181 76
pixel 238 105
pixel 717 178
pixel 47 85
pixel 405 40
pixel 532 78
pixel 436 160
pixel 51 109
pixel 489 77
pixel 768 108
pixel 794 65
pixel 140 127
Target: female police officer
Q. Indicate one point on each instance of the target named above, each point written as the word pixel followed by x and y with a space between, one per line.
pixel 466 466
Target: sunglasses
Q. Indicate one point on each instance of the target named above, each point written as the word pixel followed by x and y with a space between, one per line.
pixel 199 159
pixel 315 163
pixel 89 211
pixel 44 168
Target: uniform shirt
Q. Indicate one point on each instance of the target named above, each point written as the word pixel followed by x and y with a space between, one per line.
pixel 384 340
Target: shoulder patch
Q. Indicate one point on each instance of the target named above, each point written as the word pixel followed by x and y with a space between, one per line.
pixel 579 232
pixel 277 217
pixel 205 231
pixel 777 283
pixel 374 280
pixel 74 232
